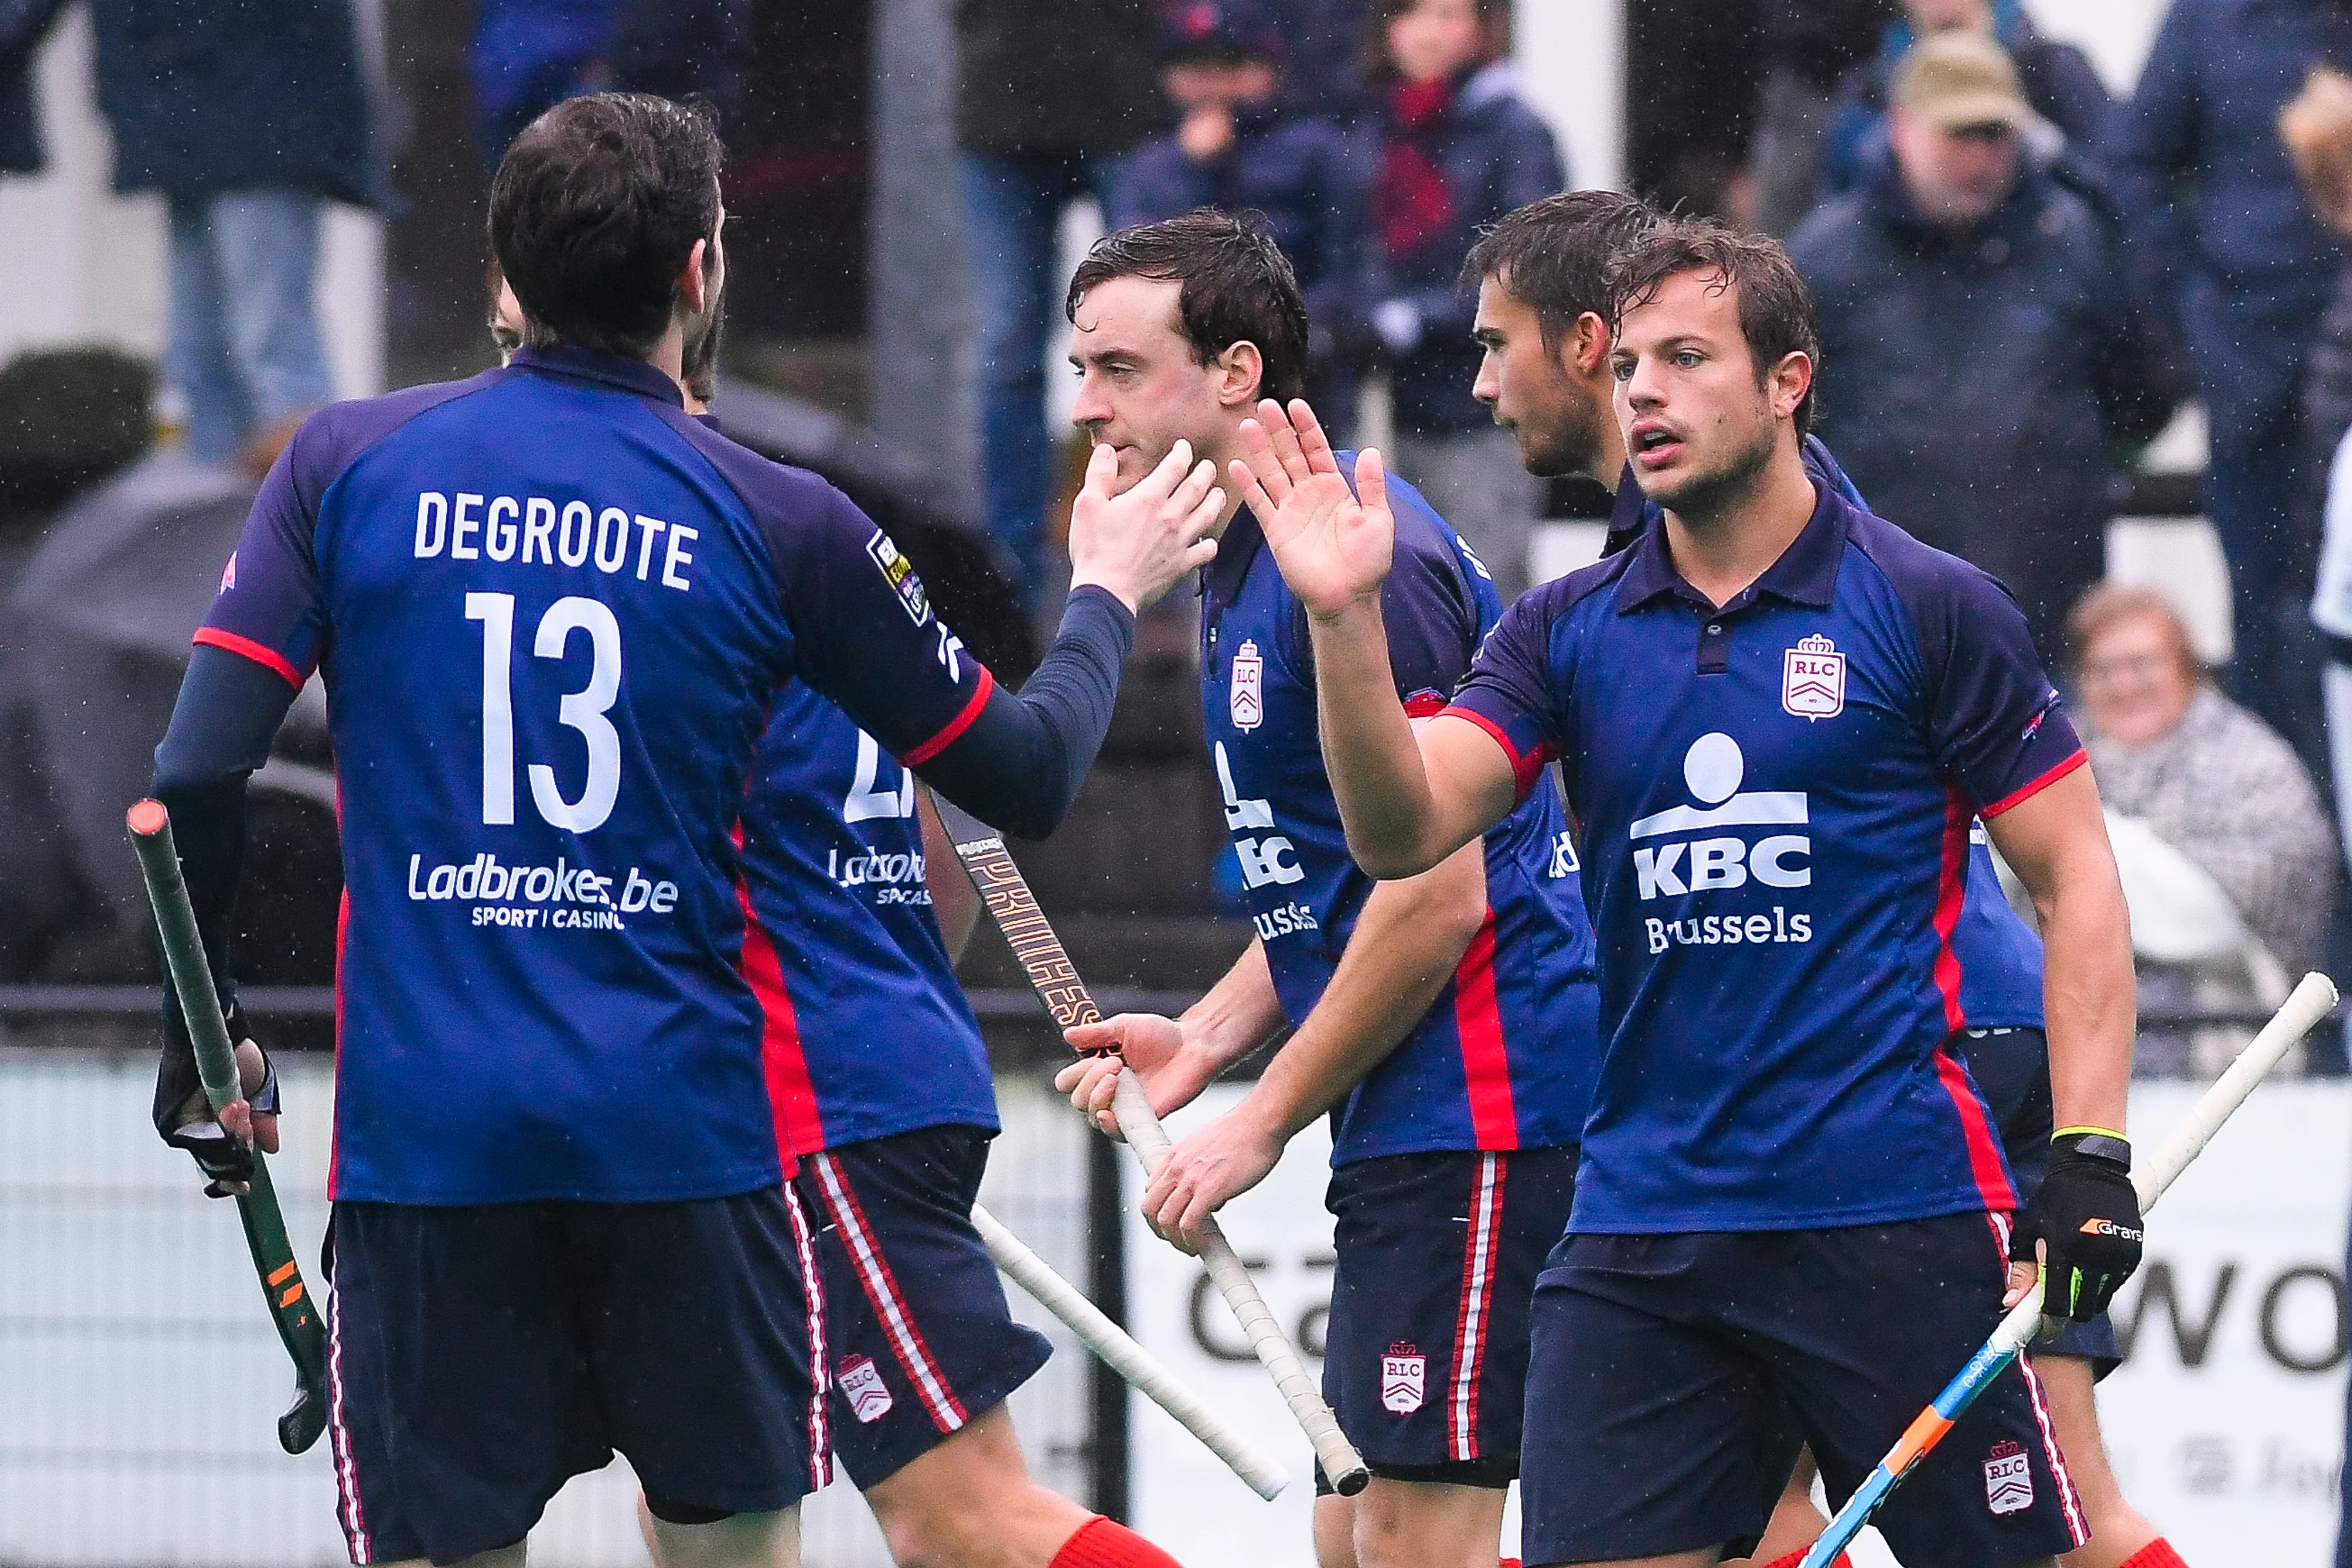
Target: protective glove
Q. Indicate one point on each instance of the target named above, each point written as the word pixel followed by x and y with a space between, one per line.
pixel 185 1117
pixel 2086 1215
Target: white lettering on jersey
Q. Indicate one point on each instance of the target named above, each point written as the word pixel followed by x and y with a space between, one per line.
pixel 1261 858
pixel 1714 768
pixel 951 646
pixel 1563 857
pixel 476 527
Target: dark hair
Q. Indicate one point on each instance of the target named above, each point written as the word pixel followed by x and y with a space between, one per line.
pixel 1776 308
pixel 1373 62
pixel 1237 288
pixel 1553 256
pixel 595 209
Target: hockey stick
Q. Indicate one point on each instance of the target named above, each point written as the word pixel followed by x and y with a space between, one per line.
pixel 291 1307
pixel 1014 908
pixel 2311 1001
pixel 1119 1352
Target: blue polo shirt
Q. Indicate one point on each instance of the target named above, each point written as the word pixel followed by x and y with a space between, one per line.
pixel 1777 798
pixel 1505 1057
pixel 877 1037
pixel 553 613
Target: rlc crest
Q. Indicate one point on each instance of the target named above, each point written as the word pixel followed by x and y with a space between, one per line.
pixel 1401 1378
pixel 2008 1479
pixel 1248 688
pixel 869 1396
pixel 1813 680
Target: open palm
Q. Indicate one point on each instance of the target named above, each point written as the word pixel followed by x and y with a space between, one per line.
pixel 1332 543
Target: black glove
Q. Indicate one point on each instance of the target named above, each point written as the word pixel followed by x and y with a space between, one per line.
pixel 2087 1216
pixel 185 1117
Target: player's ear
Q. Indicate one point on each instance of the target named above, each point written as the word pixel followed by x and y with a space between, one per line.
pixel 1788 381
pixel 1241 376
pixel 1587 346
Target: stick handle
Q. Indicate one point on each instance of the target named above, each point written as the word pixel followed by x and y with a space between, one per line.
pixel 1119 1352
pixel 291 1309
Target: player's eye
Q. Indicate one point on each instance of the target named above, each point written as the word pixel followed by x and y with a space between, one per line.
pixel 1621 367
pixel 1688 359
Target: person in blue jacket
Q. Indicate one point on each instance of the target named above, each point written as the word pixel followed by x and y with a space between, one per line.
pixel 1239 147
pixel 1453 147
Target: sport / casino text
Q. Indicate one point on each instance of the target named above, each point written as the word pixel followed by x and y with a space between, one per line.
pixel 471 527
pixel 1714 930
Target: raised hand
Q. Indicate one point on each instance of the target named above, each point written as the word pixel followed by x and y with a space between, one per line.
pixel 1332 544
pixel 1140 544
pixel 1170 1072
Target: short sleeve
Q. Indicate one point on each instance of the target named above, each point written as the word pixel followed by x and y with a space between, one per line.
pixel 1509 692
pixel 1428 608
pixel 1994 716
pixel 864 630
pixel 269 608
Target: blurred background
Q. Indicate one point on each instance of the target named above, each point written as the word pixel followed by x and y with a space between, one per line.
pixel 2095 337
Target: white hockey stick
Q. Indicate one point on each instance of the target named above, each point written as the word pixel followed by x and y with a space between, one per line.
pixel 1119 1352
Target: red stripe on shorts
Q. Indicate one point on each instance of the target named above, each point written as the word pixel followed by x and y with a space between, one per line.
pixel 890 1304
pixel 820 1364
pixel 1478 1306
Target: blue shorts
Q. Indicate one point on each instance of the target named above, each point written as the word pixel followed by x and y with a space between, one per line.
pixel 480 1356
pixel 918 1336
pixel 1425 1357
pixel 1674 1377
pixel 2011 1068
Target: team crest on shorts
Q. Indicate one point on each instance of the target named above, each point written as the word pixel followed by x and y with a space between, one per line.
pixel 1248 702
pixel 2008 1479
pixel 900 573
pixel 1403 1376
pixel 869 1396
pixel 1813 680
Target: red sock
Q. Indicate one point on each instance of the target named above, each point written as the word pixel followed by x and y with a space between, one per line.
pixel 1099 1543
pixel 1839 1561
pixel 2156 1554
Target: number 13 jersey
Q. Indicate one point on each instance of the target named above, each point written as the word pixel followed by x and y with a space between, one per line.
pixel 553 613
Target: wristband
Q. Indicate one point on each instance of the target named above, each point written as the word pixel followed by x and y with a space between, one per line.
pixel 2095 1142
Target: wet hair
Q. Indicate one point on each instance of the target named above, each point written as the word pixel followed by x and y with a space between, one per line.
pixel 1553 256
pixel 1776 308
pixel 1238 287
pixel 593 212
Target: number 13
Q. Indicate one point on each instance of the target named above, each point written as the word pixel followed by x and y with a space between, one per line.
pixel 583 711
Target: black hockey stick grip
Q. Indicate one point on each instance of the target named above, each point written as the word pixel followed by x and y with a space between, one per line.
pixel 291 1308
pixel 1014 909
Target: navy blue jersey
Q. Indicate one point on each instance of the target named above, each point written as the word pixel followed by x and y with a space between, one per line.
pixel 1504 1058
pixel 553 613
pixel 1776 798
pixel 873 1034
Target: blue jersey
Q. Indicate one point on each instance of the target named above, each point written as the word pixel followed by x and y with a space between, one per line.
pixel 1776 797
pixel 553 613
pixel 1504 1058
pixel 843 946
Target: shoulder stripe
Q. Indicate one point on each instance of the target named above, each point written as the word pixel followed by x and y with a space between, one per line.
pixel 2026 792
pixel 1524 769
pixel 267 657
pixel 918 756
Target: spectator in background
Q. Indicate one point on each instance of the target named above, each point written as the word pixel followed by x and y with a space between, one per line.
pixel 1331 34
pixel 1810 45
pixel 1454 149
pixel 1048 94
pixel 1988 353
pixel 530 55
pixel 23 24
pixel 2180 764
pixel 247 119
pixel 2069 102
pixel 1237 147
pixel 2221 235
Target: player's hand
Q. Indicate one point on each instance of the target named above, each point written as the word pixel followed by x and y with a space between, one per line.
pixel 1140 544
pixel 222 1146
pixel 1331 544
pixel 1207 1170
pixel 1171 1070
pixel 2083 1227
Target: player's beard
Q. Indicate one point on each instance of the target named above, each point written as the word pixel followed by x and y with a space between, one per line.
pixel 1702 496
pixel 698 359
pixel 1570 442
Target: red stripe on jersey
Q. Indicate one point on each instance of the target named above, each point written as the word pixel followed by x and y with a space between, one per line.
pixel 1985 1162
pixel 1951 894
pixel 791 1097
pixel 1526 769
pixel 267 657
pixel 342 932
pixel 1486 1064
pixel 2020 796
pixel 1424 705
pixel 956 726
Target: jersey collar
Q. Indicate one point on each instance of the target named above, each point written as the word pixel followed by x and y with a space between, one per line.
pixel 566 363
pixel 1806 572
pixel 1220 580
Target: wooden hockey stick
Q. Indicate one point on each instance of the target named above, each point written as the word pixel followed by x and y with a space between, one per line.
pixel 2313 1000
pixel 1014 908
pixel 290 1305
pixel 1145 1372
